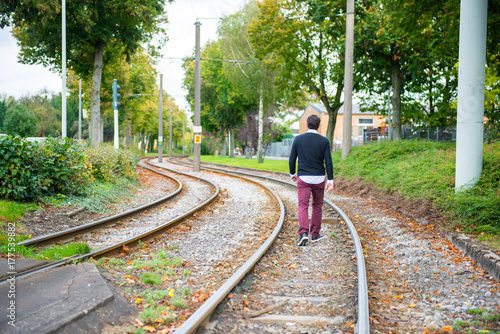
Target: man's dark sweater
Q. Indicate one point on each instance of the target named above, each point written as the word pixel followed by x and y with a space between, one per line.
pixel 314 154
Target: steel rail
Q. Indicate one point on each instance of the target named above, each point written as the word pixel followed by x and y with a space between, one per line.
pixel 116 248
pixel 82 229
pixel 363 323
pixel 206 309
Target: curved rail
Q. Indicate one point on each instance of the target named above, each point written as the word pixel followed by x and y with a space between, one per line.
pixel 363 307
pixel 82 229
pixel 204 311
pixel 131 242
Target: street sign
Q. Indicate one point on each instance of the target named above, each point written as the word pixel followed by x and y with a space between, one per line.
pixel 197 129
pixel 197 139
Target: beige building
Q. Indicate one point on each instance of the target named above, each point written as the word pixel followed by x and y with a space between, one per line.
pixel 360 122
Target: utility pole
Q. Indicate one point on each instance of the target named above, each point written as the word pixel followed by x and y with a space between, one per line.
pixel 170 135
pixel 471 76
pixel 197 118
pixel 160 123
pixel 116 104
pixel 80 109
pixel 183 132
pixel 348 80
pixel 63 132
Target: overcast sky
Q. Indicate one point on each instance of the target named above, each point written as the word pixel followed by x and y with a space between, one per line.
pixel 18 79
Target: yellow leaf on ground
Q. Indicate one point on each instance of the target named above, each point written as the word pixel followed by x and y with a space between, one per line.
pixel 413 305
pixel 447 329
pixel 150 329
pixel 426 331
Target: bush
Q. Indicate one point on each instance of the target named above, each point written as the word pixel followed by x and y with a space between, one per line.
pixel 29 170
pixel 64 166
pixel 19 169
pixel 108 163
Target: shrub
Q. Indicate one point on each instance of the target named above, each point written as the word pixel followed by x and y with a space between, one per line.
pixel 108 163
pixel 65 167
pixel 19 169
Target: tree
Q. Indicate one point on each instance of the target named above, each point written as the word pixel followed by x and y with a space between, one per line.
pixel 304 40
pixel 412 47
pixel 97 31
pixel 21 121
pixel 3 110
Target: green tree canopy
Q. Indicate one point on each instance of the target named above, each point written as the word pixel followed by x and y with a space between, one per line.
pixel 119 27
pixel 21 121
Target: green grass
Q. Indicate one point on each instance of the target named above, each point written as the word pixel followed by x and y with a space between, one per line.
pixel 268 164
pixel 11 211
pixel 151 278
pixel 61 252
pixel 426 170
pixel 53 253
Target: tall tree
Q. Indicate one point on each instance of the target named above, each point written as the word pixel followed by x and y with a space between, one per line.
pixel 118 26
pixel 411 47
pixel 304 38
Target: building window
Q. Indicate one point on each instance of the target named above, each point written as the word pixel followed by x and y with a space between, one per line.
pixel 365 121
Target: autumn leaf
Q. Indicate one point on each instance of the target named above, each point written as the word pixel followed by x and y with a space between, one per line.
pixel 138 323
pixel 426 331
pixel 413 305
pixel 150 329
pixel 138 300
pixel 447 329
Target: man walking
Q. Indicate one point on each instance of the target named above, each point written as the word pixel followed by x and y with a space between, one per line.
pixel 313 152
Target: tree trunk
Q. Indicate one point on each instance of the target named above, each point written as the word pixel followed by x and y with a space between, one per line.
pixel 224 146
pixel 332 110
pixel 261 125
pixel 397 83
pixel 231 143
pixel 248 154
pixel 95 94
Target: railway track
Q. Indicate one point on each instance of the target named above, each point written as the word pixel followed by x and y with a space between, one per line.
pixel 233 283
pixel 76 233
pixel 291 291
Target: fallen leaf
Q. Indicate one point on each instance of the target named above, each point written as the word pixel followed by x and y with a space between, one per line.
pixel 138 323
pixel 447 329
pixel 150 329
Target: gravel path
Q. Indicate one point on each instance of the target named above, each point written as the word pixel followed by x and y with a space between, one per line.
pixel 418 280
pixel 193 193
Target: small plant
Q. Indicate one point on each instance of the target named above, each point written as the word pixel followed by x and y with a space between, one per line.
pixel 178 301
pixel 116 262
pixel 186 272
pixel 60 252
pixel 332 235
pixel 151 278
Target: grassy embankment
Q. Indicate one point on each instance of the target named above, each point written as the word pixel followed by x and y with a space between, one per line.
pixel 419 170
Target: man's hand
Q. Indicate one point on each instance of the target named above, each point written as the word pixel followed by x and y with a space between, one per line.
pixel 329 186
pixel 293 178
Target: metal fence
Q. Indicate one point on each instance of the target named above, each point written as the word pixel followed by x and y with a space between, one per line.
pixel 438 134
pixel 279 149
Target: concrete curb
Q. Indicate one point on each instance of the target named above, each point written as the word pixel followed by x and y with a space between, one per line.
pixel 483 256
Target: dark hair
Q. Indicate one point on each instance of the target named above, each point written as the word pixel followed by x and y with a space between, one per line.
pixel 313 122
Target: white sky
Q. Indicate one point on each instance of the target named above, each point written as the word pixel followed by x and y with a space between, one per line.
pixel 18 79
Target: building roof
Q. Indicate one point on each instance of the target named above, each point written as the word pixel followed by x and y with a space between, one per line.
pixel 319 107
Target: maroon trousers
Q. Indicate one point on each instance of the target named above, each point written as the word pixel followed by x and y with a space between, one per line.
pixel 304 191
